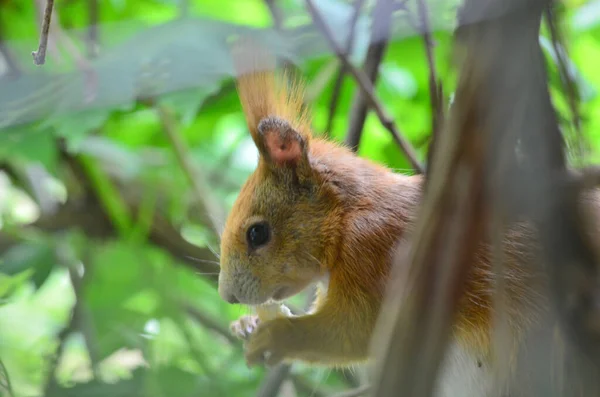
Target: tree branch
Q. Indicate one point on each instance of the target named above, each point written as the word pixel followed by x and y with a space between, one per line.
pixel 567 81
pixel 380 31
pixel 211 324
pixel 270 386
pixel 359 391
pixel 215 213
pixel 337 86
pixel 39 56
pixel 275 14
pixel 435 86
pixel 367 88
pixel 79 318
pixel 87 215
pixel 6 383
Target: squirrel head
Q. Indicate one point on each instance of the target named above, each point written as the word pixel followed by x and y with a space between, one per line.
pixel 272 239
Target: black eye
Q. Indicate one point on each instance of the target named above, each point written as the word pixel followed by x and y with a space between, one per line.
pixel 258 235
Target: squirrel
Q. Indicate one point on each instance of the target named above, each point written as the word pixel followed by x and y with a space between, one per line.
pixel 313 212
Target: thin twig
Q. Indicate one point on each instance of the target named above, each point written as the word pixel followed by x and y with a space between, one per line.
pixel 60 37
pixel 380 33
pixel 39 56
pixel 7 384
pixel 214 211
pixel 366 86
pixel 337 86
pixel 435 86
pixel 359 391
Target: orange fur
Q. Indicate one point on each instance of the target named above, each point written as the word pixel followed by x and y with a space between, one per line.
pixel 338 225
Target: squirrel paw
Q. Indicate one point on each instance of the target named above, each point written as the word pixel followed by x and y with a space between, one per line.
pixel 267 344
pixel 244 326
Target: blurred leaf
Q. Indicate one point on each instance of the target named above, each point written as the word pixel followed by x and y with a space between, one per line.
pixel 398 81
pixel 133 387
pixel 75 127
pixel 587 16
pixel 117 267
pixel 39 256
pixel 29 143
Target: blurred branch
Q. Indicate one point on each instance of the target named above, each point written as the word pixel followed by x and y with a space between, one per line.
pixel 306 387
pixel 86 213
pixel 39 56
pixel 359 391
pixel 6 383
pixel 415 325
pixel 435 85
pixel 79 320
pixel 271 384
pixel 337 86
pixel 200 358
pixel 196 180
pixel 567 81
pixel 211 324
pixel 367 88
pixel 93 10
pixel 585 178
pixel 501 61
pixel 380 33
pixel 81 315
pixel 50 384
pixel 275 14
pixel 110 198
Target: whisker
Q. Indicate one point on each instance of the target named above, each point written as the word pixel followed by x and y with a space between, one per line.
pixel 202 260
pixel 208 274
pixel 213 251
pixel 315 259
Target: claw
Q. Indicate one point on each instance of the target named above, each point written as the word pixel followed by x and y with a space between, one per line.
pixel 244 326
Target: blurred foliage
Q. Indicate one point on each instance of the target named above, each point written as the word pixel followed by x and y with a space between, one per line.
pixel 133 332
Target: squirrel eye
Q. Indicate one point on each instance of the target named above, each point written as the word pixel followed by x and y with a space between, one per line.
pixel 258 235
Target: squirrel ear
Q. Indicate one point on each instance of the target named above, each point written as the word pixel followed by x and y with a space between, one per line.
pixel 280 143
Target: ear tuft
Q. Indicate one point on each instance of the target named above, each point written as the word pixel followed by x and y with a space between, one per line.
pixel 282 143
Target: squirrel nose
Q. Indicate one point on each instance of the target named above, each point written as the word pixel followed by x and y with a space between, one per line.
pixel 225 290
pixel 232 299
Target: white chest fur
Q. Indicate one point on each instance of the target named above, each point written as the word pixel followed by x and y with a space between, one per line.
pixel 463 375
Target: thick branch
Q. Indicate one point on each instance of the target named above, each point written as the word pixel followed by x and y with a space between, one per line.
pixel 88 216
